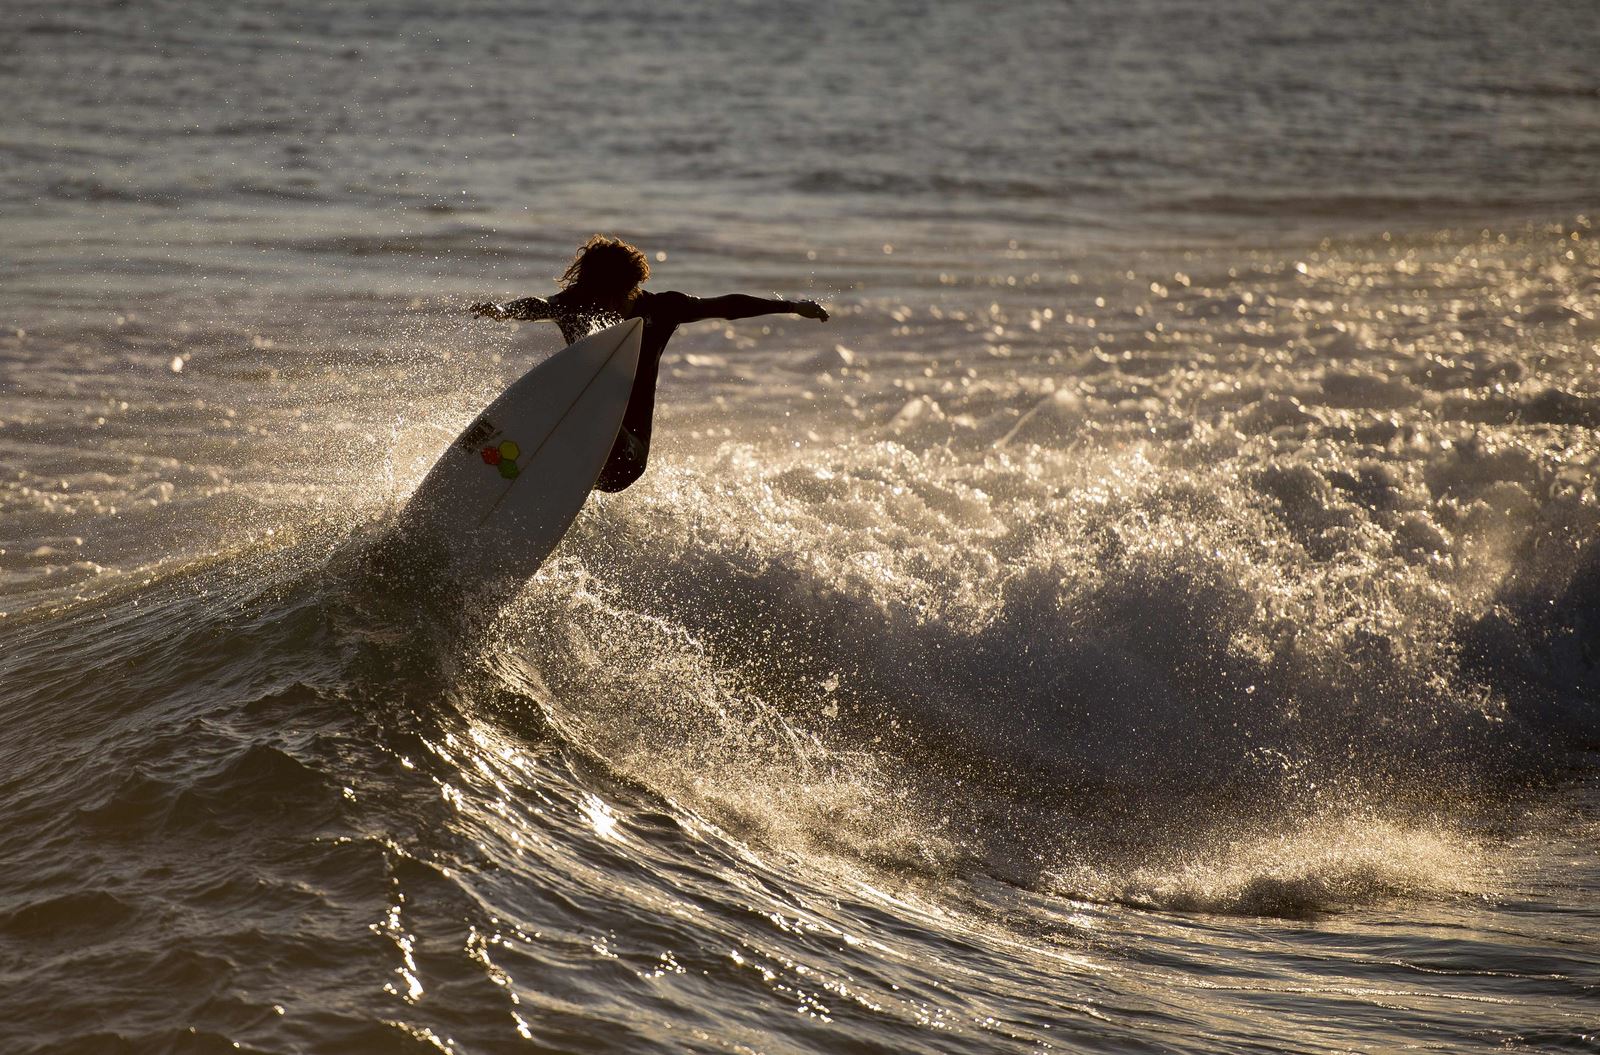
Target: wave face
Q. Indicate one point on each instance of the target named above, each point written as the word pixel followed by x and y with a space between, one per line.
pixel 1159 612
pixel 1064 654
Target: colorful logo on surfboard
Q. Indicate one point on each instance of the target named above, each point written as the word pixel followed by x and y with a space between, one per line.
pixel 503 456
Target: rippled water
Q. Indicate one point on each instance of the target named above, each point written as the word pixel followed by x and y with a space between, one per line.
pixel 1160 611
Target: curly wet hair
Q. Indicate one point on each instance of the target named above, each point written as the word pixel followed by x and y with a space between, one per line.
pixel 606 265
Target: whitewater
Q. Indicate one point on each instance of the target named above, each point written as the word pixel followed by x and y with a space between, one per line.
pixel 1160 611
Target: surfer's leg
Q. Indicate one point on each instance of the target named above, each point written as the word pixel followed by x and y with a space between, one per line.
pixel 628 455
pixel 625 464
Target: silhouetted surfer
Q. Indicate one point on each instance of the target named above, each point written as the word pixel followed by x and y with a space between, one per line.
pixel 600 288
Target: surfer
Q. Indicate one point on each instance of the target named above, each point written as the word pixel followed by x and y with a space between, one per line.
pixel 601 288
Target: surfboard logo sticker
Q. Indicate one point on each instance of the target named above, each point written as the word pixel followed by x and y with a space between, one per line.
pixel 503 456
pixel 481 430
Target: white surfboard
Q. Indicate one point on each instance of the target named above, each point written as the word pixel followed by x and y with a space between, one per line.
pixel 506 491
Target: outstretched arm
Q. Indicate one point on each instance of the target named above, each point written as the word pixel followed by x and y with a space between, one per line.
pixel 531 309
pixel 740 306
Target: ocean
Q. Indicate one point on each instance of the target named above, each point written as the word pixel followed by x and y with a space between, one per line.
pixel 1158 612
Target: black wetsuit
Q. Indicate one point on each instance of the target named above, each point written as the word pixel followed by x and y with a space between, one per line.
pixel 662 313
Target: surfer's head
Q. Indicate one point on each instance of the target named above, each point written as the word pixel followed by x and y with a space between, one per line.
pixel 606 267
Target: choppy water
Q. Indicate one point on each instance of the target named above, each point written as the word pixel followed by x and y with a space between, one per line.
pixel 1160 612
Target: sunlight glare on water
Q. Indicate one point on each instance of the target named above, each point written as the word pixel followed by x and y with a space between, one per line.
pixel 1157 612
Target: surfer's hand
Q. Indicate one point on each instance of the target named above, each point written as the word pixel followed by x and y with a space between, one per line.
pixel 488 309
pixel 810 309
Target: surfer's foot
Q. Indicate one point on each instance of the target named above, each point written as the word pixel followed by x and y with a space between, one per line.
pixel 626 464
